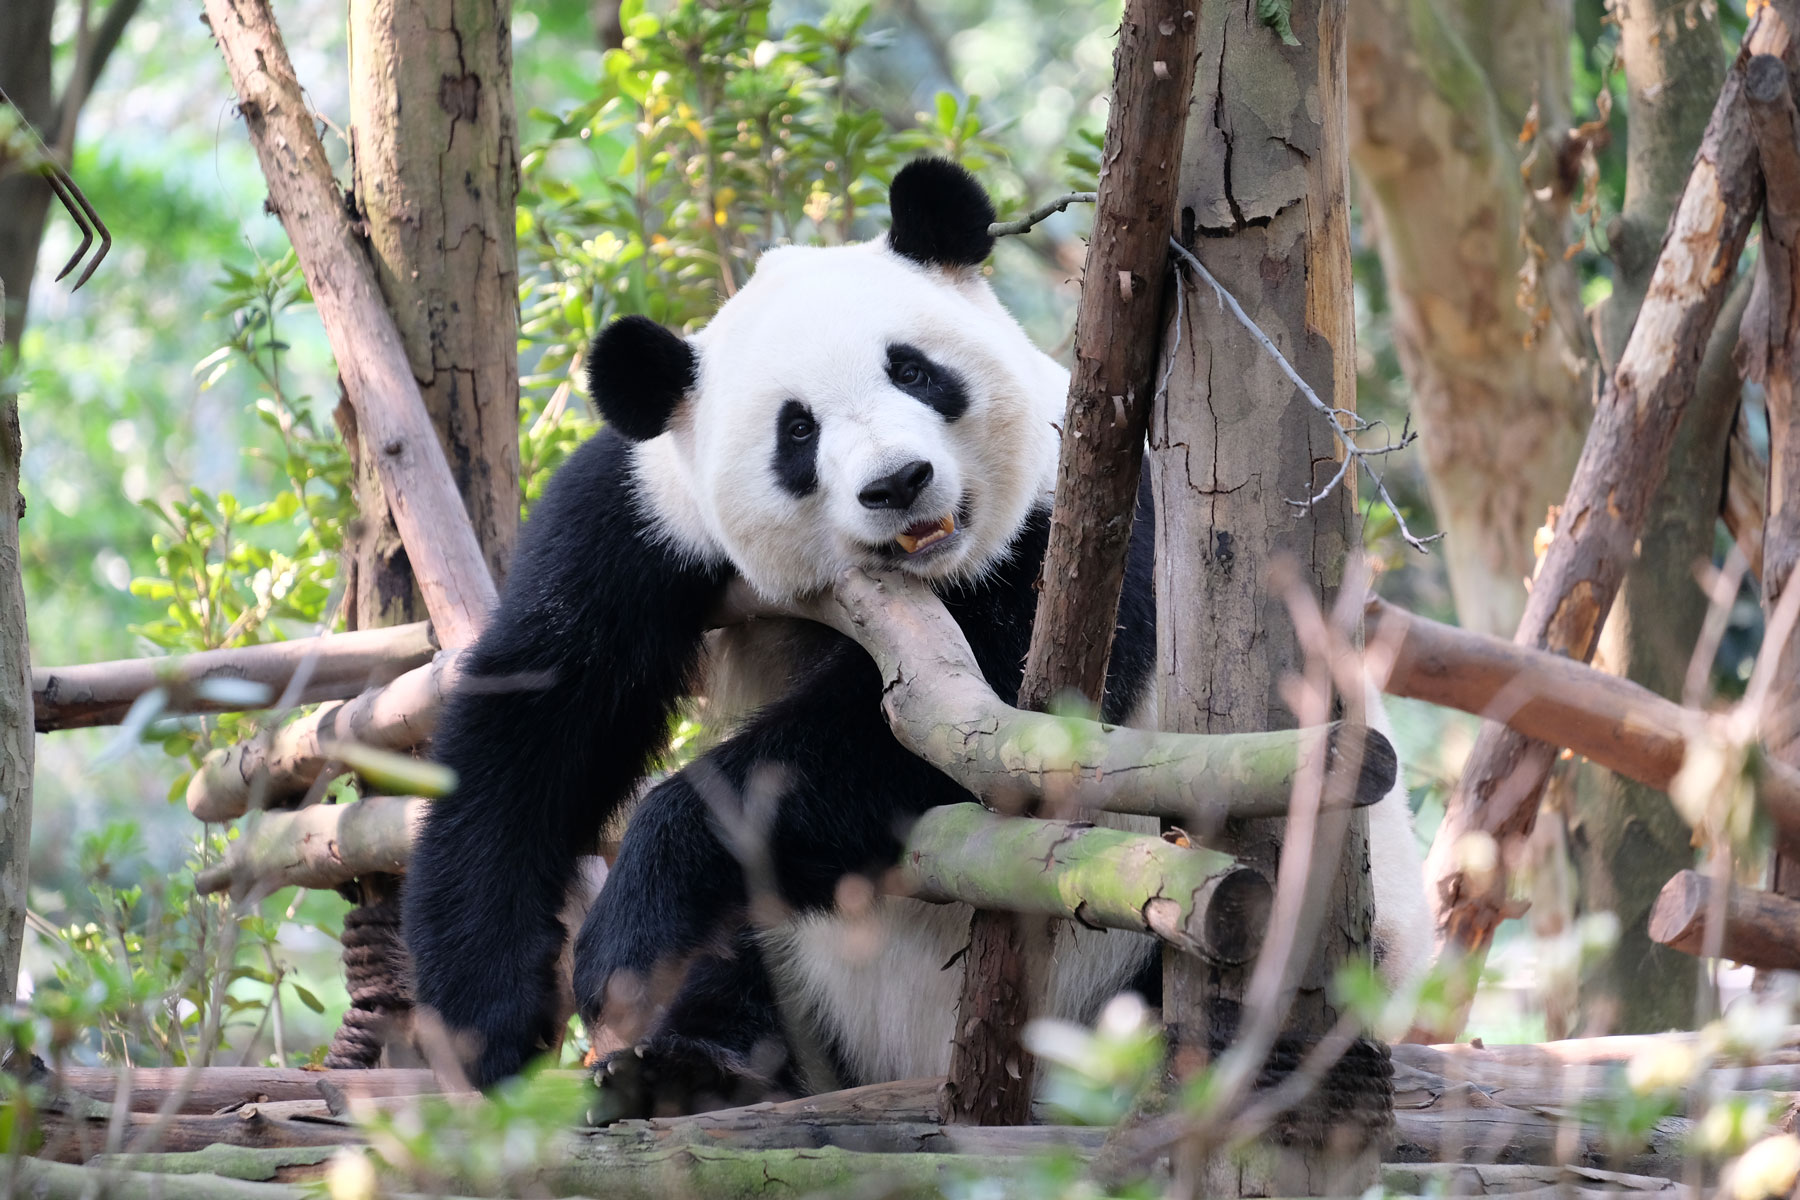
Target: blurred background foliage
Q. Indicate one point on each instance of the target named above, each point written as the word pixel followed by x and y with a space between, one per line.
pixel 186 485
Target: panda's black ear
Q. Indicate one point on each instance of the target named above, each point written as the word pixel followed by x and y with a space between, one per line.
pixel 941 215
pixel 637 372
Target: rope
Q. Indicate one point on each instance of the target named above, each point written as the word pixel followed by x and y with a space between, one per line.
pixel 376 971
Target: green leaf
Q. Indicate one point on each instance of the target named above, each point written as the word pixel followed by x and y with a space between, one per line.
pixel 1276 15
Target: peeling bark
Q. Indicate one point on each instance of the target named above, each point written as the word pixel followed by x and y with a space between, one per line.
pixel 1623 462
pixel 1439 92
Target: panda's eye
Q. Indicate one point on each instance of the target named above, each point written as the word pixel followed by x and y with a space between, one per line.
pixel 799 429
pixel 908 374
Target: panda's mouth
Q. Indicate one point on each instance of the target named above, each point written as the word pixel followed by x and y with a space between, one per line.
pixel 923 535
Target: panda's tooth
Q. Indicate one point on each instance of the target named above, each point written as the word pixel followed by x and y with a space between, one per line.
pixel 907 541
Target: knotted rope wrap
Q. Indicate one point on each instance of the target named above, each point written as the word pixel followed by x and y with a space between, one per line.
pixel 377 973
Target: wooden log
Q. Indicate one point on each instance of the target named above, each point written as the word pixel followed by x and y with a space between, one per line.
pixel 1760 929
pixel 1197 900
pixel 1621 466
pixel 221 1089
pixel 371 360
pixel 942 709
pixel 318 846
pixel 399 716
pixel 77 1137
pixel 1118 330
pixel 338 667
pixel 1619 724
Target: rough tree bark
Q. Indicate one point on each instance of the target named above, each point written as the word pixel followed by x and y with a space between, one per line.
pixel 434 147
pixel 1759 928
pixel 1626 838
pixel 990 1080
pixel 1623 462
pixel 435 151
pixel 1770 353
pixel 1439 91
pixel 1265 206
pixel 18 741
pixel 371 361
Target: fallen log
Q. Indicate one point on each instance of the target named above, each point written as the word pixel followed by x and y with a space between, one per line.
pixel 1622 463
pixel 74 1137
pixel 1616 723
pixel 338 666
pixel 1760 929
pixel 399 717
pixel 222 1089
pixel 415 476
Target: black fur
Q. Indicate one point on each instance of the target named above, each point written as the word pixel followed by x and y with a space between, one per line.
pixel 940 215
pixel 928 381
pixel 565 700
pixel 796 460
pixel 637 372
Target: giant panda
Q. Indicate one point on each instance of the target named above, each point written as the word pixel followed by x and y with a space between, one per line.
pixel 867 405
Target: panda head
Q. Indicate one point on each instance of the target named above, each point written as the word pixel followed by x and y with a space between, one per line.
pixel 868 405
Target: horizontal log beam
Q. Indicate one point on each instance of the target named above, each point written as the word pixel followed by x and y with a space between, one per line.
pixel 399 716
pixel 318 846
pixel 1758 928
pixel 1614 722
pixel 338 666
pixel 942 709
pixel 1197 900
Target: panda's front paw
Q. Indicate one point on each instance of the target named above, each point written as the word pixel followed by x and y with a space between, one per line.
pixel 670 1076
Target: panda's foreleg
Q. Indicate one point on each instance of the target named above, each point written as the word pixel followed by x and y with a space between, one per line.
pixel 812 789
pixel 564 700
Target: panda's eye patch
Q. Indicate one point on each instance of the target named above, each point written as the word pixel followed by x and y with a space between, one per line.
pixel 927 380
pixel 796 458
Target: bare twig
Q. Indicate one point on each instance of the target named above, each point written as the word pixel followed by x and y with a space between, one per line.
pixel 1041 213
pixel 1335 417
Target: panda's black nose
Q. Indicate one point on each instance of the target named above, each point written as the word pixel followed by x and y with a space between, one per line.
pixel 898 490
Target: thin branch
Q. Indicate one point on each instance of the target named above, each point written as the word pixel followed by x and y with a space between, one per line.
pixel 1041 213
pixel 1352 452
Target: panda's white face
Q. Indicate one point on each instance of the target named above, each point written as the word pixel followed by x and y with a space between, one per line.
pixel 856 408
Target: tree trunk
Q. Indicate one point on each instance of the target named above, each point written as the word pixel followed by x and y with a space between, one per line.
pixel 1626 838
pixel 434 148
pixel 1125 280
pixel 1439 92
pixel 1264 205
pixel 435 153
pixel 1623 463
pixel 18 739
pixel 24 196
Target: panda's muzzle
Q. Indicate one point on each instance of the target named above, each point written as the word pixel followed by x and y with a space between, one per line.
pixel 923 535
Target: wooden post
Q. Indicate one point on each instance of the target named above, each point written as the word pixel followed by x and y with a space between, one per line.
pixel 1770 354
pixel 18 740
pixel 1096 495
pixel 435 153
pixel 1264 205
